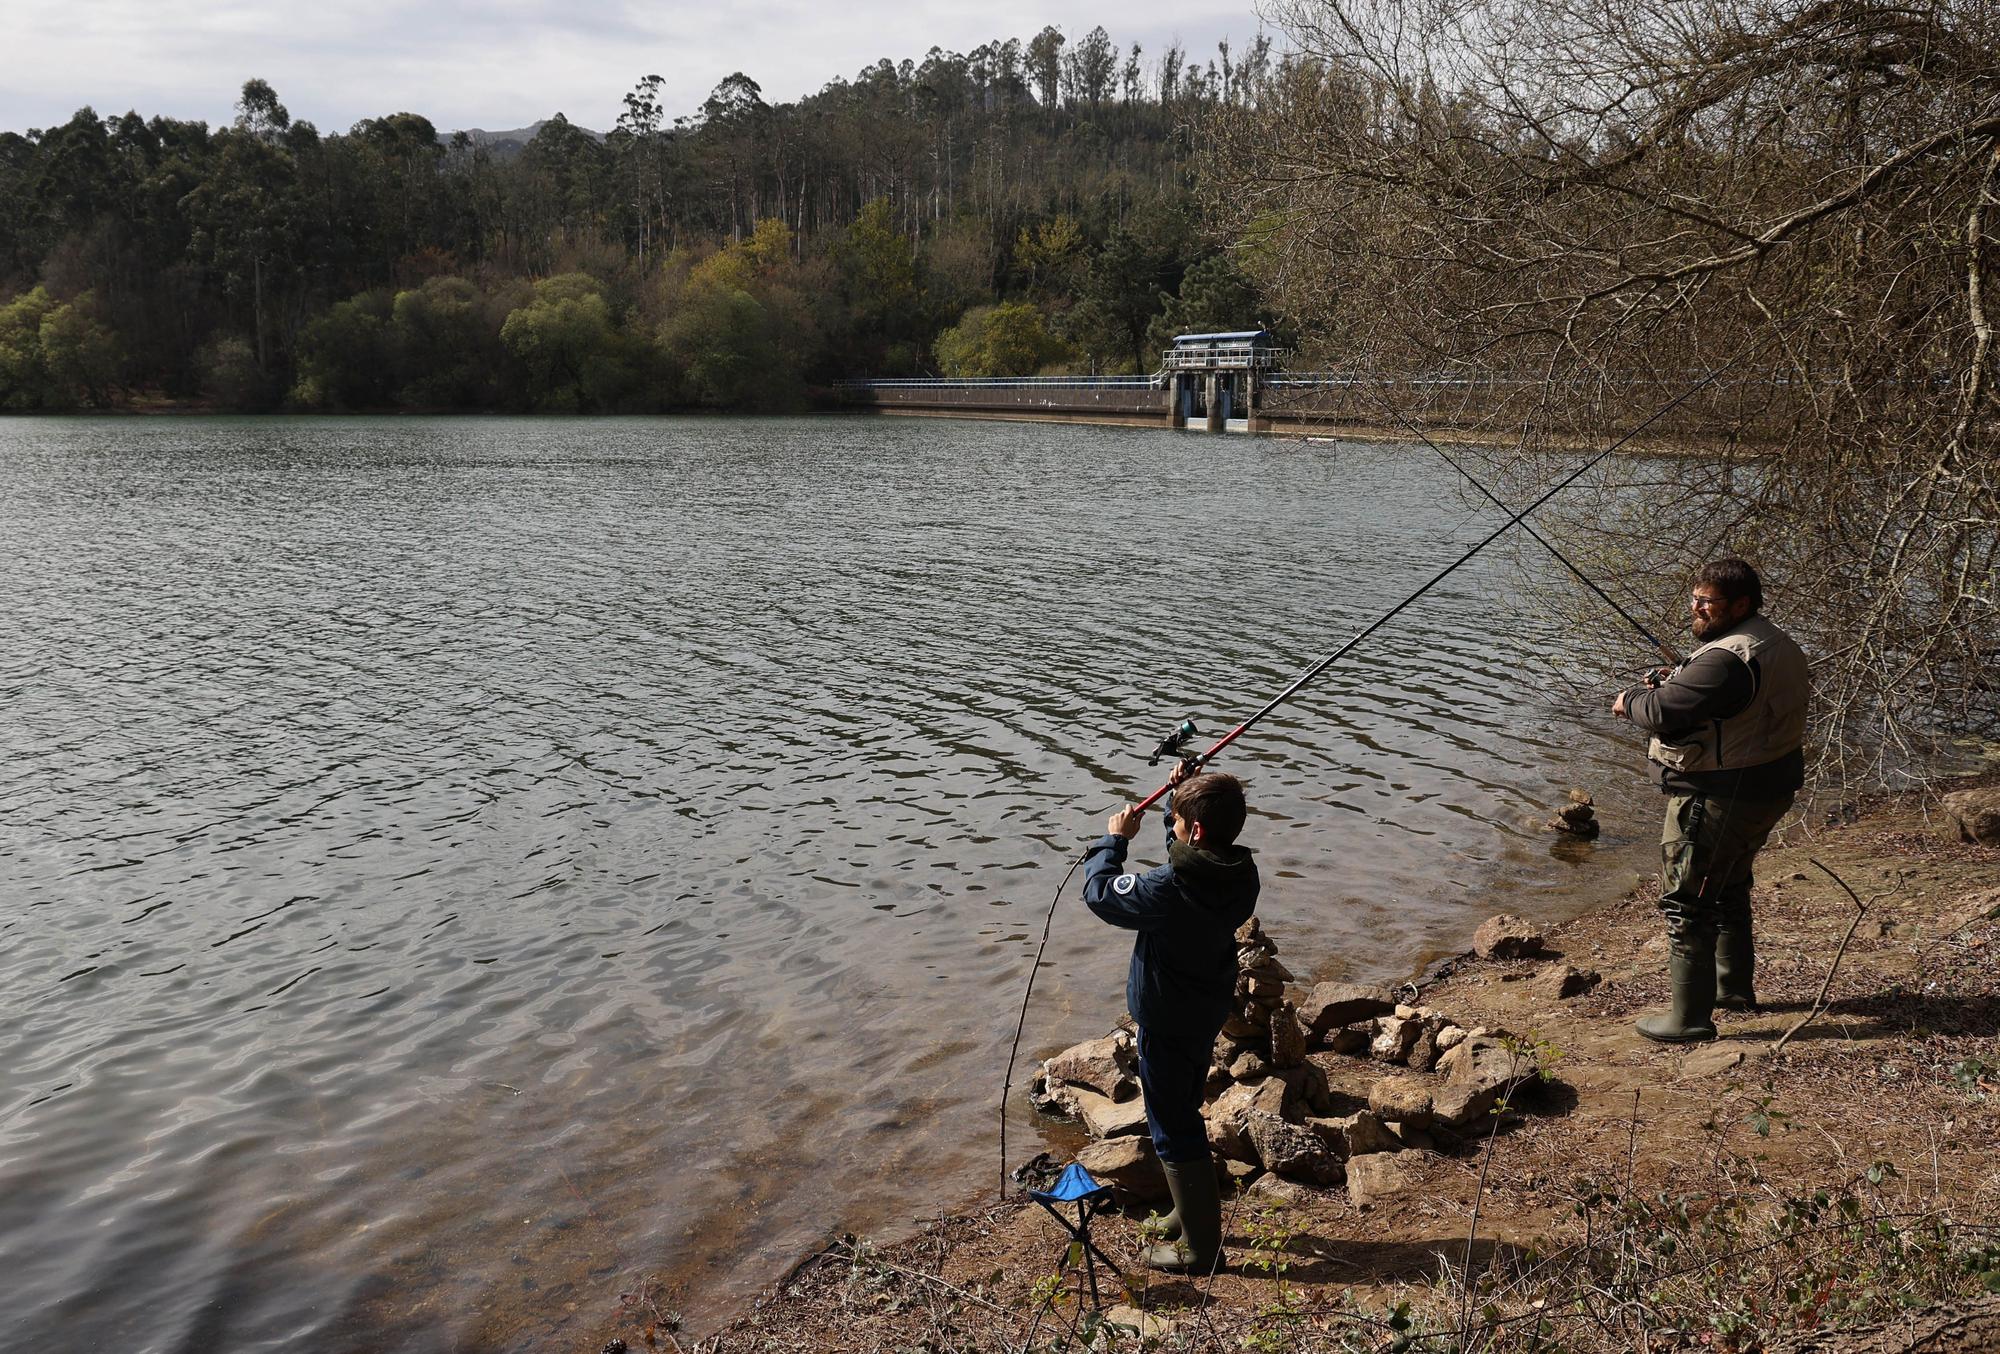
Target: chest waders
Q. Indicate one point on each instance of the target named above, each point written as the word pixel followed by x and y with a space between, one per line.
pixel 1709 842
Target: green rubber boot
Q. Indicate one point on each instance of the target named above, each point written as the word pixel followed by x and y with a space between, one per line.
pixel 1735 969
pixel 1687 1021
pixel 1198 1206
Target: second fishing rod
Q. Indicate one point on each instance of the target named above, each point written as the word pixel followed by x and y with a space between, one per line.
pixel 1300 682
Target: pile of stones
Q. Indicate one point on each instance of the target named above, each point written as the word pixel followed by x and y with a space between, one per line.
pixel 1317 1087
pixel 1578 817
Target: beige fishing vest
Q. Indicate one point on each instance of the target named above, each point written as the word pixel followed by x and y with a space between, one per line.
pixel 1772 725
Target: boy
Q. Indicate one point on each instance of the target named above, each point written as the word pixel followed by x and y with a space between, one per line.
pixel 1181 984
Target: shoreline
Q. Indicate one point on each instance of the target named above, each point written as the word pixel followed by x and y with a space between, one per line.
pixel 1887 1104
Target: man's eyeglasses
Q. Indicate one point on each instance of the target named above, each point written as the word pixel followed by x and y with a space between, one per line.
pixel 1700 603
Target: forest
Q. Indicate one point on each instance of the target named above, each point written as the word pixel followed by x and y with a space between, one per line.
pixel 1025 207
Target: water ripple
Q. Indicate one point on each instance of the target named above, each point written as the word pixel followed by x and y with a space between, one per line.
pixel 452 864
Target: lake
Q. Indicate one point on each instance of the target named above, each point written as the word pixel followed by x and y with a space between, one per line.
pixel 451 868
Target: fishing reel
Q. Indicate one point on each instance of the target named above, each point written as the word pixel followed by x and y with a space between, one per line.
pixel 1173 744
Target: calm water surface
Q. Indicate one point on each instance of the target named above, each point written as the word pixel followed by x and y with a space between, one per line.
pixel 449 868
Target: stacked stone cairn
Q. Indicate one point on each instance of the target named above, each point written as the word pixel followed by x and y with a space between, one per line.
pixel 1297 1087
pixel 1578 817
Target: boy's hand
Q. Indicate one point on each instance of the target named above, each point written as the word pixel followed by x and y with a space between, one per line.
pixel 1182 770
pixel 1125 822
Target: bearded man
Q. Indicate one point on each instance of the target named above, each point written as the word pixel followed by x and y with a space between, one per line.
pixel 1728 733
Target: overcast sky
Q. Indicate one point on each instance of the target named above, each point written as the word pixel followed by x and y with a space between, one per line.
pixel 506 63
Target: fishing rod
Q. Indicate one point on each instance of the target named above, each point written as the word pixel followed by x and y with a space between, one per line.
pixel 1299 683
pixel 1177 740
pixel 1673 658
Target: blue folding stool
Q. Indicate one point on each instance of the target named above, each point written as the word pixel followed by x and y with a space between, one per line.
pixel 1077 1186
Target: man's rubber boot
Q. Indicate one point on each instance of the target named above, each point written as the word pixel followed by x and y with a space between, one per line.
pixel 1735 970
pixel 1687 1021
pixel 1198 1204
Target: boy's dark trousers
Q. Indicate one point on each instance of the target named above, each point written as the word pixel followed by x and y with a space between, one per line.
pixel 1173 1075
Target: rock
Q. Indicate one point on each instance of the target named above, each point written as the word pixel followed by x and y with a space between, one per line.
pixel 1250 1066
pixel 1310 1091
pixel 1275 1190
pixel 1424 1053
pixel 1394 1037
pixel 1236 1027
pixel 1290 1149
pixel 1226 1115
pixel 1970 909
pixel 1377 1175
pixel 1239 1173
pixel 1579 820
pixel 1352 1042
pixel 1400 1100
pixel 1708 1060
pixel 1105 1118
pixel 1481 1071
pixel 1103 1065
pixel 1449 1038
pixel 1561 982
pixel 1971 816
pixel 1252 933
pixel 1412 1138
pixel 1305 1091
pixel 1288 1040
pixel 1507 937
pixel 1355 1135
pixel 1266 968
pixel 1263 987
pixel 1052 1095
pixel 1581 797
pixel 1331 1005
pixel 1128 1166
pixel 1150 1328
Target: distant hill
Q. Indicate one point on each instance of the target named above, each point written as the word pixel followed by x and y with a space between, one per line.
pixel 509 142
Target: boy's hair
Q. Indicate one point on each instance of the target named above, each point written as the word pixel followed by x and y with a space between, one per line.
pixel 1215 801
pixel 1734 579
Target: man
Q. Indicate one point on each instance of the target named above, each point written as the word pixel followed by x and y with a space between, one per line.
pixel 1180 984
pixel 1728 731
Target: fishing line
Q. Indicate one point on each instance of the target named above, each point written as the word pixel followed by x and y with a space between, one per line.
pixel 1673 658
pixel 1299 683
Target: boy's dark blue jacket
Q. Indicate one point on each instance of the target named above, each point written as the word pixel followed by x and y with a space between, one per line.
pixel 1183 975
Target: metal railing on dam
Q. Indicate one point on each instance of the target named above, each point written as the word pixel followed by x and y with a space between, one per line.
pixel 1331 403
pixel 1093 399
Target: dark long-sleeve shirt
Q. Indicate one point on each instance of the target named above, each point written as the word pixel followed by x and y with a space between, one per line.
pixel 1714 685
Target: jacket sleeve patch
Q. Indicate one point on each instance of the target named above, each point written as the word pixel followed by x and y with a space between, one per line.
pixel 1124 883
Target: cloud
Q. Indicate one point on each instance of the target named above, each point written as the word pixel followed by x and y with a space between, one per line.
pixel 502 63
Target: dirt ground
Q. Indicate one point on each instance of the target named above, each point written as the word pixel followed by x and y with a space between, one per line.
pixel 1896 1084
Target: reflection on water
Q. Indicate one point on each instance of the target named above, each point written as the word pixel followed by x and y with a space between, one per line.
pixel 453 866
